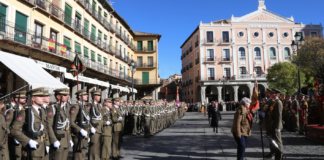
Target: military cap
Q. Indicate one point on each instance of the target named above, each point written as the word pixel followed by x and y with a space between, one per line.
pixel 268 90
pixel 63 91
pixel 46 93
pixel 275 90
pixel 21 94
pixel 96 92
pixel 38 92
pixel 81 92
pixel 116 99
pixel 307 96
pixel 108 100
pixel 301 94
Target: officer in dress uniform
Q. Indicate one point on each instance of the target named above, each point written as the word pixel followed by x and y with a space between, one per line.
pixel 303 113
pixel 106 130
pixel 96 129
pixel 4 150
pixel 80 113
pixel 152 125
pixel 147 114
pixel 61 140
pixel 294 113
pixel 39 144
pixel 134 112
pixel 117 128
pixel 286 112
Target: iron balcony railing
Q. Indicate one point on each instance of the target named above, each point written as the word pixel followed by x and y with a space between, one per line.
pixel 224 41
pixel 43 4
pixel 209 59
pixel 196 43
pixel 208 41
pixel 257 58
pixel 273 58
pixel 287 58
pixel 249 76
pixel 146 65
pixel 197 78
pixel 226 59
pixel 242 58
pixel 187 67
pixel 187 52
pixel 147 81
pixel 191 65
pixel 118 33
pixel 56 12
pixel 145 49
pixel 197 60
pixel 190 49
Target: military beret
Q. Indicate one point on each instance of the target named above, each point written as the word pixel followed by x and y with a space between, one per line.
pixel 21 94
pixel 38 92
pixel 62 91
pixel 96 92
pixel 275 90
pixel 81 92
pixel 116 99
pixel 109 100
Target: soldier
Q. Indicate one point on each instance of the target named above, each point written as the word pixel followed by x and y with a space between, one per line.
pixel 45 106
pixel 106 129
pixel 117 128
pixel 147 114
pixel 294 113
pixel 283 101
pixel 61 140
pixel 139 117
pixel 38 144
pixel 275 118
pixel 80 125
pixel 303 113
pixel 152 124
pixel 96 129
pixel 4 151
pixel 287 113
pixel 134 112
pixel 15 147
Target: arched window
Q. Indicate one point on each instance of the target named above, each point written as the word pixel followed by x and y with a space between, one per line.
pixel 242 52
pixel 257 52
pixel 287 52
pixel 242 70
pixel 272 52
pixel 258 70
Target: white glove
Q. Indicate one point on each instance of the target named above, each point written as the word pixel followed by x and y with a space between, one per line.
pixel 120 118
pixel 136 114
pixel 277 130
pixel 71 143
pixel 84 133
pixel 158 114
pixel 147 115
pixel 16 141
pixel 88 140
pixel 93 130
pixel 140 114
pixel 47 149
pixel 57 144
pixel 32 144
pixel 108 123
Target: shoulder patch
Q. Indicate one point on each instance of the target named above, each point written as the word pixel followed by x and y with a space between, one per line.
pixel 7 117
pixel 88 107
pixel 50 113
pixel 19 118
pixel 72 111
pixel 1 111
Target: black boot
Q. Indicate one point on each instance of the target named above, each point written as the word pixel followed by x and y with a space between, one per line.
pixel 213 129
pixel 216 130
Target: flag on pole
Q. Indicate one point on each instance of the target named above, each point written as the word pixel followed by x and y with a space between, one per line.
pixel 77 66
pixel 177 97
pixel 264 69
pixel 255 98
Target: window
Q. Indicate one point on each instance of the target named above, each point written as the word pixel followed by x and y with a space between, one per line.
pixel 139 45
pixel 242 70
pixel 256 34
pixel 99 36
pixel 145 77
pixel 258 71
pixel 271 34
pixel 300 35
pixel 210 55
pixel 77 48
pixel 21 28
pixel 67 43
pixel 38 34
pixel 272 52
pixel 241 34
pixel 226 55
pixel 211 74
pixel 85 52
pixel 53 37
pixel 227 72
pixel 99 58
pixel 85 29
pixel 287 52
pixel 225 36
pixel 93 6
pixel 210 36
pixel 150 61
pixel 285 34
pixel 105 61
pixel 68 15
pixel 313 34
pixel 77 21
pixel 3 13
pixel 150 45
pixel 93 56
pixel 105 14
pixel 257 52
pixel 120 49
pixel 241 52
pixel 197 55
pixel 93 34
pixel 139 61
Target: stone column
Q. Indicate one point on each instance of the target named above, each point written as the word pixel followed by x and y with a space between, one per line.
pixel 202 93
pixel 219 89
pixel 115 93
pixel 235 93
pixel 74 90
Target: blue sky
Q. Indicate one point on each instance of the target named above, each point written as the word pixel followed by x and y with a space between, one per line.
pixel 175 20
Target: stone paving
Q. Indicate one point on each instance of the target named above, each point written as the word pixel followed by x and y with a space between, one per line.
pixel 192 138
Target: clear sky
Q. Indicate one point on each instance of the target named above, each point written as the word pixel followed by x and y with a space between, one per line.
pixel 175 20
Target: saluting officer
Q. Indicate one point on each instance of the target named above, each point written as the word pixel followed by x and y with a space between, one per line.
pixel 38 125
pixel 134 112
pixel 106 129
pixel 61 140
pixel 80 124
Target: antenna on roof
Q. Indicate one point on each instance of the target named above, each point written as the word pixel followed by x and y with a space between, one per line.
pixel 215 18
pixel 111 2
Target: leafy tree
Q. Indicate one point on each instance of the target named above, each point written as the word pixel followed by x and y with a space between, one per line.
pixel 284 77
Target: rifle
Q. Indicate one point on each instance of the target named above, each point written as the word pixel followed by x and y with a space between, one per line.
pixel 9 101
pixel 93 124
pixel 15 115
pixel 58 136
pixel 29 132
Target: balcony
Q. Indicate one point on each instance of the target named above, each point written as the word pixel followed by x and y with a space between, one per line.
pixel 209 41
pixel 146 65
pixel 43 4
pixel 224 41
pixel 197 78
pixel 184 69
pixel 112 28
pixel 287 58
pixel 190 49
pixel 242 58
pixel 196 44
pixel 191 65
pixel 190 82
pixel 273 58
pixel 257 58
pixel 250 77
pixel 145 49
pixel 197 61
pixel 187 67
pixel 147 81
pixel 209 59
pixel 226 59
pixel 56 12
pixel 187 52
pixel 217 78
pixel 118 34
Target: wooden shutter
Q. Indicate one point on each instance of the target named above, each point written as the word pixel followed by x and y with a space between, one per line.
pixel 77 48
pixel 99 58
pixel 86 24
pixel 105 14
pixel 150 45
pixel 105 61
pixel 21 28
pixel 93 56
pixel 85 52
pixel 3 11
pixel 68 15
pixel 66 42
pixel 99 35
pixel 94 5
pixel 99 11
pixel 145 77
pixel 78 15
pixel 93 30
pixel 139 45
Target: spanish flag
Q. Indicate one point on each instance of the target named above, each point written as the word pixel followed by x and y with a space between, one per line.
pixel 255 99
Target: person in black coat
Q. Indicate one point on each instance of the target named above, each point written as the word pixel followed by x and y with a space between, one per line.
pixel 208 109
pixel 215 116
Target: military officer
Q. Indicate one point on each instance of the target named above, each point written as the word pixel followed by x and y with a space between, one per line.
pixel 4 151
pixel 286 112
pixel 38 142
pixel 117 128
pixel 303 113
pixel 293 109
pixel 61 140
pixel 106 129
pixel 152 124
pixel 80 125
pixel 134 112
pixel 147 114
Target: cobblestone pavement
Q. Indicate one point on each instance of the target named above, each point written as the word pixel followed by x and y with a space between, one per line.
pixel 192 138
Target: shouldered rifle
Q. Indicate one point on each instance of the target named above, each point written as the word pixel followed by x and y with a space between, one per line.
pixel 15 115
pixel 80 124
pixel 9 101
pixel 58 136
pixel 91 121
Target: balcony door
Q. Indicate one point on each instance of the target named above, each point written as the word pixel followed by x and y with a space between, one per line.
pixel 258 71
pixel 53 37
pixel 227 73
pixel 225 36
pixel 210 55
pixel 38 34
pixel 226 55
pixel 210 36
pixel 211 74
pixel 139 61
pixel 150 61
pixel 145 77
pixel 242 70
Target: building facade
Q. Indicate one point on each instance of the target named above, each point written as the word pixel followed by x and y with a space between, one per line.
pixel 224 54
pixel 54 31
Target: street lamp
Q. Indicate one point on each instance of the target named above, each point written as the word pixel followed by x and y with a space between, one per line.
pixel 224 88
pixel 299 40
pixel 132 67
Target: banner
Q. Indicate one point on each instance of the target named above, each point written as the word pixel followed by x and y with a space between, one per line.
pixel 51 44
pixel 63 49
pixel 255 100
pixel 77 66
pixel 177 97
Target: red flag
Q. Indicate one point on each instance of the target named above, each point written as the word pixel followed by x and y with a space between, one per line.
pixel 315 85
pixel 255 100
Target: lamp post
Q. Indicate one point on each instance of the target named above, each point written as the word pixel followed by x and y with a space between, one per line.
pixel 132 67
pixel 295 46
pixel 224 88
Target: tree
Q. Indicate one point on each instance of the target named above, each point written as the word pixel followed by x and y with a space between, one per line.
pixel 310 57
pixel 284 77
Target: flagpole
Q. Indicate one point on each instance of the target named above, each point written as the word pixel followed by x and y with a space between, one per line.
pixel 77 80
